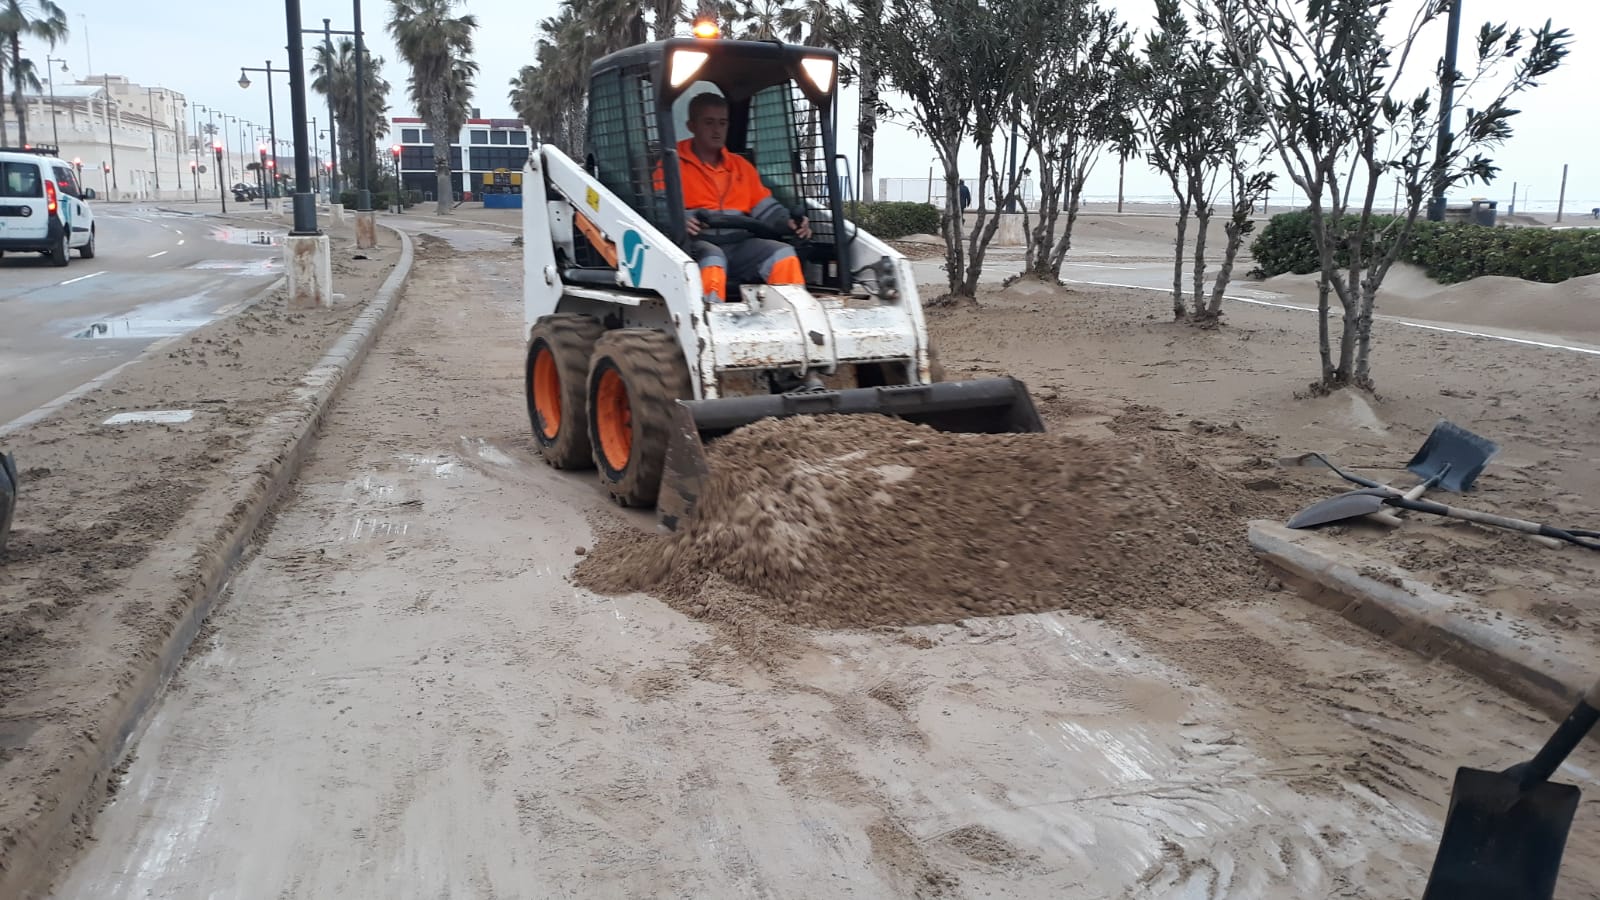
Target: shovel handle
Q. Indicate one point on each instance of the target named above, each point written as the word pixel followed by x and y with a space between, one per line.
pixel 1483 518
pixel 1571 731
pixel 1388 516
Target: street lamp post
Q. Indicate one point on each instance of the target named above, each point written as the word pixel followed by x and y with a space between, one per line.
pixel 55 131
pixel 395 152
pixel 155 146
pixel 305 204
pixel 216 150
pixel 111 140
pixel 177 141
pixel 194 177
pixel 333 141
pixel 272 113
pixel 362 148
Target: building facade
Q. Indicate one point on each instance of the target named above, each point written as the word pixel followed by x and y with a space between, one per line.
pixel 131 141
pixel 483 147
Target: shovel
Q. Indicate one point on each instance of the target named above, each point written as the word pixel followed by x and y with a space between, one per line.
pixel 1448 446
pixel 1369 500
pixel 1505 831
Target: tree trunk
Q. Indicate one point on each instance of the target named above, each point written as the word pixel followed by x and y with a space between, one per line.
pixel 441 156
pixel 1363 365
pixel 1324 345
pixel 1076 175
pixel 1230 252
pixel 16 90
pixel 1347 347
pixel 988 221
pixel 1043 236
pixel 1179 311
pixel 954 250
pixel 1202 218
pixel 867 126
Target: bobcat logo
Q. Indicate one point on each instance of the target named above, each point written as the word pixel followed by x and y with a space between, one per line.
pixel 633 248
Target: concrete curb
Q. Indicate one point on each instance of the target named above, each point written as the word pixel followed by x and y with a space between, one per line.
pixel 1512 654
pixel 273 461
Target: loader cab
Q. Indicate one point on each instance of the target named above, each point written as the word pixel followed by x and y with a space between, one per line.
pixel 782 112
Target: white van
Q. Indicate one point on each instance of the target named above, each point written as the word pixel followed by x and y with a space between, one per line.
pixel 43 209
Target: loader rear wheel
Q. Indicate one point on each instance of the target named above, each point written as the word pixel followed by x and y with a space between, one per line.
pixel 635 375
pixel 558 372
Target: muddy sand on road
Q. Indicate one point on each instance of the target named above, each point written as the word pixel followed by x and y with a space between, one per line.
pixel 404 695
pixel 841 521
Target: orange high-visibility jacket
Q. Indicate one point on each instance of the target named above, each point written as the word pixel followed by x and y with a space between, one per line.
pixel 732 187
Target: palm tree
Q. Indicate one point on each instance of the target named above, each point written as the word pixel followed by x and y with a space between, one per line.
pixel 437 45
pixel 335 78
pixel 40 19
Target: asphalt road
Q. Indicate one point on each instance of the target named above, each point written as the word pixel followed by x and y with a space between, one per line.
pixel 158 272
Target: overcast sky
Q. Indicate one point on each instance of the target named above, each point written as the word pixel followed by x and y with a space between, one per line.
pixel 196 48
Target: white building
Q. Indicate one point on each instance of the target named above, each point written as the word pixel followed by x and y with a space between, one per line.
pixel 483 146
pixel 131 141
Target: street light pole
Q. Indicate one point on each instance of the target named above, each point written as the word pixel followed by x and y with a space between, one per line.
pixel 177 142
pixel 55 131
pixel 111 138
pixel 333 140
pixel 155 146
pixel 272 113
pixel 1447 93
pixel 305 205
pixel 363 147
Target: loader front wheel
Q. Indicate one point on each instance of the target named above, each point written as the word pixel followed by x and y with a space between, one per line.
pixel 635 375
pixel 557 377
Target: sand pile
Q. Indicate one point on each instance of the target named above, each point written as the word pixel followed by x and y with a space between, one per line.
pixel 863 520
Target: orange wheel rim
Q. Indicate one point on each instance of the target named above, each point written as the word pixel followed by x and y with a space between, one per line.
pixel 547 393
pixel 614 418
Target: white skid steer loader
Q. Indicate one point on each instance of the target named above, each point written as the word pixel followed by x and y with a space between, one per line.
pixel 630 366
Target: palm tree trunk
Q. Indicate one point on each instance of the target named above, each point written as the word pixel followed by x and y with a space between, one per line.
pixel 16 90
pixel 441 154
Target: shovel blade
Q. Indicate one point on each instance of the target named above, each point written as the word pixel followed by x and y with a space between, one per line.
pixel 1456 452
pixel 1348 505
pixel 1501 840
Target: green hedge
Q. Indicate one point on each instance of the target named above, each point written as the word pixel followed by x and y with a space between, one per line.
pixel 380 199
pixel 1448 251
pixel 888 220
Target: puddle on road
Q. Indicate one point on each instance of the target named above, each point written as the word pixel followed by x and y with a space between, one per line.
pixel 152 320
pixel 487 451
pixel 441 465
pixel 252 237
pixel 272 265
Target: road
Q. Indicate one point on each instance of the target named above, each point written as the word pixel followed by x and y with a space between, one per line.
pixel 402 695
pixel 157 273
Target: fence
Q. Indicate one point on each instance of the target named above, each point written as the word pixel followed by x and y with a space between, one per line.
pixel 932 190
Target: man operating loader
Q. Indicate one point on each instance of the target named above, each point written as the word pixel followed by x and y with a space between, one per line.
pixel 722 183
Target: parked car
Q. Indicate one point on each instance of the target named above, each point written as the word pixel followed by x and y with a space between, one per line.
pixel 244 193
pixel 43 209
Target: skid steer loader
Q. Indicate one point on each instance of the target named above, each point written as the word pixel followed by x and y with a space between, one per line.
pixel 630 366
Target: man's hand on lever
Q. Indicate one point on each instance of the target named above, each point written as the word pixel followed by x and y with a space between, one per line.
pixel 802 227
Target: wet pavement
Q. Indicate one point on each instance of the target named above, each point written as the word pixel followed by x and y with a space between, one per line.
pixel 404 695
pixel 156 274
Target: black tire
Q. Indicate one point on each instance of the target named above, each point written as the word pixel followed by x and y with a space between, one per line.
pixel 565 342
pixel 87 250
pixel 630 444
pixel 61 252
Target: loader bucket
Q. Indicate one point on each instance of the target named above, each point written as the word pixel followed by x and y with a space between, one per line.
pixel 981 406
